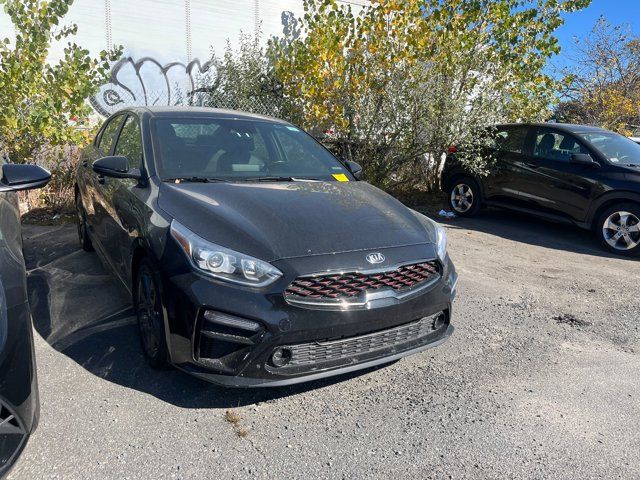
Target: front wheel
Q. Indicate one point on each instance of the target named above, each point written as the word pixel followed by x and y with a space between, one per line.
pixel 151 314
pixel 618 229
pixel 464 196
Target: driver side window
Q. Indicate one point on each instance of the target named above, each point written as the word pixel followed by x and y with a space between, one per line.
pixel 130 142
pixel 554 145
pixel 108 135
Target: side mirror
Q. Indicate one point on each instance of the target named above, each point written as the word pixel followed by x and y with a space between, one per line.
pixel 23 177
pixel 584 159
pixel 116 167
pixel 355 168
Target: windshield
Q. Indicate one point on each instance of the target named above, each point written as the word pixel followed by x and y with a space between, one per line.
pixel 618 149
pixel 240 150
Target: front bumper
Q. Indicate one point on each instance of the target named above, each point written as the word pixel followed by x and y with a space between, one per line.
pixel 250 382
pixel 332 342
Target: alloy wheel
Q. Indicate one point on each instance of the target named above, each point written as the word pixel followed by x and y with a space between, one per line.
pixel 621 230
pixel 149 316
pixel 462 198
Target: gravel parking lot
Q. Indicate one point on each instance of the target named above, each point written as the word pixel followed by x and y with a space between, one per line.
pixel 541 378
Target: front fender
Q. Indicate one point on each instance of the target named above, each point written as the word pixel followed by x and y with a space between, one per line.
pixel 608 199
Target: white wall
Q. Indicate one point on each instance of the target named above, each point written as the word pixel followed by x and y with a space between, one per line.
pixel 157 28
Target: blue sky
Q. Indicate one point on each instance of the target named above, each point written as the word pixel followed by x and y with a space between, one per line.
pixel 580 23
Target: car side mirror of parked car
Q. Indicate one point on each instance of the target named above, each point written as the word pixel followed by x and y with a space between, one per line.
pixel 23 177
pixel 584 159
pixel 355 168
pixel 116 167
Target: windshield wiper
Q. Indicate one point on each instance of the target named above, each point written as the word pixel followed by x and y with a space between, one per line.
pixel 266 179
pixel 194 179
pixel 278 179
pixel 637 165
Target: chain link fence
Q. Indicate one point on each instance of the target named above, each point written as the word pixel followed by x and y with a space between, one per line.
pixel 112 98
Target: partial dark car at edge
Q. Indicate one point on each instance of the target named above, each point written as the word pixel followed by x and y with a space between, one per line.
pixel 19 404
pixel 253 256
pixel 576 174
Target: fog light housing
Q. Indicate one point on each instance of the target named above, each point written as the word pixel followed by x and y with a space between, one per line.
pixel 280 357
pixel 439 321
pixel 231 321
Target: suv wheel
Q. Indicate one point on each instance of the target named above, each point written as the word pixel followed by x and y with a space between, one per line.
pixel 83 232
pixel 618 229
pixel 464 197
pixel 151 314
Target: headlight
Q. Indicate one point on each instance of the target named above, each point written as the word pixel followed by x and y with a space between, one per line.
pixel 441 241
pixel 441 235
pixel 222 263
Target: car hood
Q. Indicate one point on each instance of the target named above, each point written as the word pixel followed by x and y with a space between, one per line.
pixel 294 219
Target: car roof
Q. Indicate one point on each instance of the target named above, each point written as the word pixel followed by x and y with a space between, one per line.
pixel 566 127
pixel 201 112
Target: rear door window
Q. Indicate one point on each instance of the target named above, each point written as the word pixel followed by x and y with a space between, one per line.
pixel 510 139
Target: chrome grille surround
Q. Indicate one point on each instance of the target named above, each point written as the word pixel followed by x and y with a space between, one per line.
pixel 363 289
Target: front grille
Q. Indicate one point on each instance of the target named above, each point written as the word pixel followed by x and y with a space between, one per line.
pixel 348 285
pixel 334 353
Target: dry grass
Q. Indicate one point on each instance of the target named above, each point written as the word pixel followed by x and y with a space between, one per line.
pixel 234 419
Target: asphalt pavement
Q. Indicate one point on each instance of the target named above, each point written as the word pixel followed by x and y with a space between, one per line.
pixel 540 380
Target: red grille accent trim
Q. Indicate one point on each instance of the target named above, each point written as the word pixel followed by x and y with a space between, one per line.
pixel 347 285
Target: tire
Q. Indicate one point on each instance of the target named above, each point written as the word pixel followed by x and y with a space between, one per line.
pixel 464 196
pixel 151 313
pixel 618 229
pixel 83 231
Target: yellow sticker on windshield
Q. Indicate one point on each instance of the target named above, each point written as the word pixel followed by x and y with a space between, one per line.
pixel 341 177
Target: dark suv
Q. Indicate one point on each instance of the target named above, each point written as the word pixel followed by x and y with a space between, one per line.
pixel 578 174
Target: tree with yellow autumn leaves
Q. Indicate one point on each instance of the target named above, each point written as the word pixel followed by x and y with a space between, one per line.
pixel 603 82
pixel 396 84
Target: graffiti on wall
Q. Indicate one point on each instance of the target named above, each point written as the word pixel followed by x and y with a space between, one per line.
pixel 147 82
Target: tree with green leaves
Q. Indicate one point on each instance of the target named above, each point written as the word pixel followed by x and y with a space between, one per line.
pixel 242 79
pixel 43 103
pixel 402 80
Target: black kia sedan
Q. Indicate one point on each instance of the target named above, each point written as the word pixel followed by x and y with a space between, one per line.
pixel 19 405
pixel 254 257
pixel 576 174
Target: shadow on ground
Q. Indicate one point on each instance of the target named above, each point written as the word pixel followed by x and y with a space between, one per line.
pixel 81 312
pixel 533 231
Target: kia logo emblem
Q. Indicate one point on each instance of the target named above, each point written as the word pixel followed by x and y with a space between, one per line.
pixel 374 258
